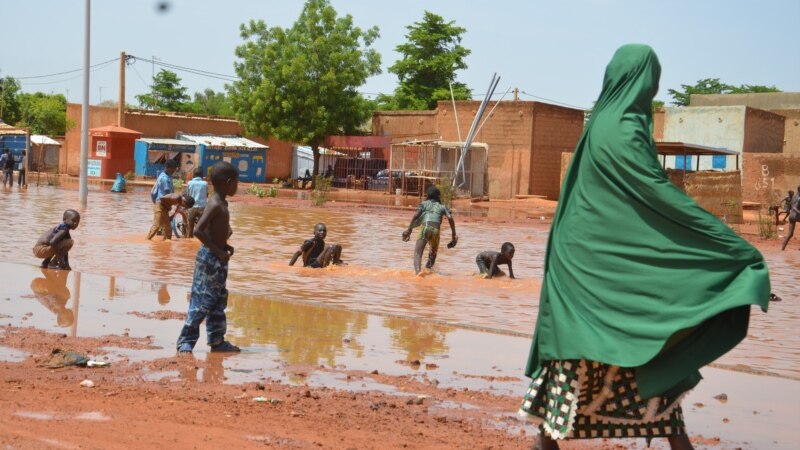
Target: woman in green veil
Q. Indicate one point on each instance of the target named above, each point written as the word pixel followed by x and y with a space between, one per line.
pixel 642 287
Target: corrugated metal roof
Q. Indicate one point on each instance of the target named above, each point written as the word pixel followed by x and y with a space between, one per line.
pixel 221 141
pixel 39 139
pixel 166 141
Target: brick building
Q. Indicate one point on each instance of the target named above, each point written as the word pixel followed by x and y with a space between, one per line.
pixel 525 140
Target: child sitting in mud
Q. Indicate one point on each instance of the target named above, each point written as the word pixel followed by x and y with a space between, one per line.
pixel 488 261
pixel 429 215
pixel 54 245
pixel 315 253
pixel 209 296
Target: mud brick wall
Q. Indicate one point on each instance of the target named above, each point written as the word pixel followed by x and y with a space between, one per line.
pixel 763 131
pixel 405 125
pixel 555 130
pixel 766 177
pixel 658 124
pixel 719 193
pixel 791 130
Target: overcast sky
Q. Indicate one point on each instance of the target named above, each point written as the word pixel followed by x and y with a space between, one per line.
pixel 550 50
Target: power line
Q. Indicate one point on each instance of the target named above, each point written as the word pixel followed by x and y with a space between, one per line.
pixel 64 73
pixel 96 68
pixel 553 101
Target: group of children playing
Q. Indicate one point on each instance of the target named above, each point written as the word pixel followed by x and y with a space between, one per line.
pixel 209 295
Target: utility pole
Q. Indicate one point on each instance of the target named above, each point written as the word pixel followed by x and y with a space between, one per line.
pixel 100 89
pixel 121 93
pixel 516 94
pixel 83 190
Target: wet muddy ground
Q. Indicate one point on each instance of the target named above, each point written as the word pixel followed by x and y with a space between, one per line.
pixel 447 332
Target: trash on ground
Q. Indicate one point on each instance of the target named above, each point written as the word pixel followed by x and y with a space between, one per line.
pixel 87 383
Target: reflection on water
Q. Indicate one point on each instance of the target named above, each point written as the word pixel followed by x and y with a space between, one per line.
pixel 378 279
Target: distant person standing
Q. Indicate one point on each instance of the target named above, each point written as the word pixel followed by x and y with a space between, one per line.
pixel 329 172
pixel 23 163
pixel 794 215
pixel 162 187
pixel 198 190
pixel 7 164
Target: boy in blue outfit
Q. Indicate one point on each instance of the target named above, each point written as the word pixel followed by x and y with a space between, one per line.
pixel 198 189
pixel 209 295
pixel 162 187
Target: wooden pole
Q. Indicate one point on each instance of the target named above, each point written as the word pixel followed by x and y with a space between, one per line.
pixel 121 97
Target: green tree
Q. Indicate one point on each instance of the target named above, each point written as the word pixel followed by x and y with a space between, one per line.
pixel 211 103
pixel 166 93
pixel 44 113
pixel 428 65
pixel 714 86
pixel 300 84
pixel 9 103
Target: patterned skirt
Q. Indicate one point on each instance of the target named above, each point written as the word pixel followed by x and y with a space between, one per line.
pixel 579 399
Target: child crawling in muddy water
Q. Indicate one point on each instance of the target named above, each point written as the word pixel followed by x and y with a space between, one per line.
pixel 209 295
pixel 488 261
pixel 54 245
pixel 314 251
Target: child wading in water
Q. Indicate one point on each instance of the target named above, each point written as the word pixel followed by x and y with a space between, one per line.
pixel 57 242
pixel 488 261
pixel 429 215
pixel 209 295
pixel 315 253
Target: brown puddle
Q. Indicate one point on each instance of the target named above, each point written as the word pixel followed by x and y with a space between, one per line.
pixel 302 325
pixel 322 346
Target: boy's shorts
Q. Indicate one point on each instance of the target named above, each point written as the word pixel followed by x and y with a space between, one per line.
pixel 194 214
pixel 45 251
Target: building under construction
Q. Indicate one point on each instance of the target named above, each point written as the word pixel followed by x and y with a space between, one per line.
pixel 413 166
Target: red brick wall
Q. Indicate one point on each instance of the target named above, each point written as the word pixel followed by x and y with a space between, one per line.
pixel 555 130
pixel 764 131
pixel 507 132
pixel 166 125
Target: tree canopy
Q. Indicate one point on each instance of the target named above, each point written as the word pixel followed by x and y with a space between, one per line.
pixel 301 84
pixel 714 86
pixel 430 58
pixel 211 103
pixel 9 103
pixel 43 113
pixel 166 94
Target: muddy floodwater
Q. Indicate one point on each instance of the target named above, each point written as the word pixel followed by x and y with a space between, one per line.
pixel 377 279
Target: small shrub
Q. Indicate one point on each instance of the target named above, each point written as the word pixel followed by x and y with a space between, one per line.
pixel 254 189
pixel 273 192
pixel 276 180
pixel 128 175
pixel 322 186
pixel 766 227
pixel 178 184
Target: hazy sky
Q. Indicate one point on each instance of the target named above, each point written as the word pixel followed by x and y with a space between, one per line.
pixel 554 50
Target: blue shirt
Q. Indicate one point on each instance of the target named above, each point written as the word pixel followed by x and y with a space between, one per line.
pixel 164 184
pixel 198 189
